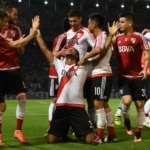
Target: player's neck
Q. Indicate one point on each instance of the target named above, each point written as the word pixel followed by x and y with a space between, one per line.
pixel 97 32
pixel 77 29
pixel 129 31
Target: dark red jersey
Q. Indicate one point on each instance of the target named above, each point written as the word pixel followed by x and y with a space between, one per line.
pixel 130 48
pixel 59 42
pixel 8 57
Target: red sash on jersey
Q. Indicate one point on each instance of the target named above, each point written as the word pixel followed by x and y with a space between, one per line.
pixel 75 39
pixel 65 79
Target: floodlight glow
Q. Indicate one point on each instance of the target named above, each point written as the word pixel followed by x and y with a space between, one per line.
pixel 122 5
pixel 71 4
pixel 147 6
pixel 46 2
pixel 97 4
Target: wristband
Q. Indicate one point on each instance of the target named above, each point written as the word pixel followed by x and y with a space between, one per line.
pixel 38 32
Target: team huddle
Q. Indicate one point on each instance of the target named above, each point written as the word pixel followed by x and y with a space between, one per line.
pixel 80 69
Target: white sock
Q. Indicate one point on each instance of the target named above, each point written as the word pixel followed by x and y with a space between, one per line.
pixel 109 117
pixel 101 116
pixel 140 117
pixel 119 110
pixel 51 110
pixel 20 110
pixel 126 111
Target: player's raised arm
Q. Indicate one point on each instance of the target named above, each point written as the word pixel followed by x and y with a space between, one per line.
pixel 48 54
pixel 24 40
pixel 97 50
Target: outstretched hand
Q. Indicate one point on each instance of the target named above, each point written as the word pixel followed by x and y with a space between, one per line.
pixel 36 22
pixel 114 28
pixel 145 31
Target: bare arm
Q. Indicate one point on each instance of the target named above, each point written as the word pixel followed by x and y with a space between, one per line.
pixel 48 54
pixel 146 64
pixel 145 31
pixel 24 40
pixel 61 53
pixel 98 51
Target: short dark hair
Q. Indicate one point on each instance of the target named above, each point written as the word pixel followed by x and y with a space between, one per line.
pixel 74 13
pixel 65 24
pixel 128 15
pixel 98 18
pixel 8 6
pixel 3 14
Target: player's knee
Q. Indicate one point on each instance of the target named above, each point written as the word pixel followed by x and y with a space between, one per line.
pixel 51 138
pixel 21 96
pixel 2 107
pixel 89 138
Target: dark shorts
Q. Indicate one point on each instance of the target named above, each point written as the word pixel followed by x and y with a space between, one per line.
pixel 64 117
pixel 87 88
pixel 11 82
pixel 135 88
pixel 53 87
pixel 101 88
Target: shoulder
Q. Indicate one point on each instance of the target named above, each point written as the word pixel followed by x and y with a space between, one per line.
pixel 120 35
pixel 60 36
pixel 86 30
pixel 15 27
pixel 138 34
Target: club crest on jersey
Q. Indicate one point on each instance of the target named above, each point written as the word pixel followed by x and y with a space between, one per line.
pixel 68 73
pixel 79 35
pixel 133 40
pixel 75 67
pixel 13 33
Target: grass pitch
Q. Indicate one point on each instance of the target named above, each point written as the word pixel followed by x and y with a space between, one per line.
pixel 36 123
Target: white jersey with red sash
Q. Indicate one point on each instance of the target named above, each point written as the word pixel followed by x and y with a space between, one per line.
pixel 81 40
pixel 130 48
pixel 103 68
pixel 71 82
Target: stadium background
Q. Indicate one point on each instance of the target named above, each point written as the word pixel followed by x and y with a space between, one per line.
pixel 33 63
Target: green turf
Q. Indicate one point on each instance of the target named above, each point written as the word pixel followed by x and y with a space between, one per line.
pixel 35 125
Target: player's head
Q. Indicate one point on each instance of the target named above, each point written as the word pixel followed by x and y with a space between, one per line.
pixel 72 53
pixel 3 18
pixel 75 19
pixel 65 24
pixel 12 11
pixel 126 21
pixel 96 20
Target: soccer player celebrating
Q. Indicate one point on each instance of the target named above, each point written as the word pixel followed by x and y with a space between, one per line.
pixel 70 107
pixel 130 46
pixel 8 82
